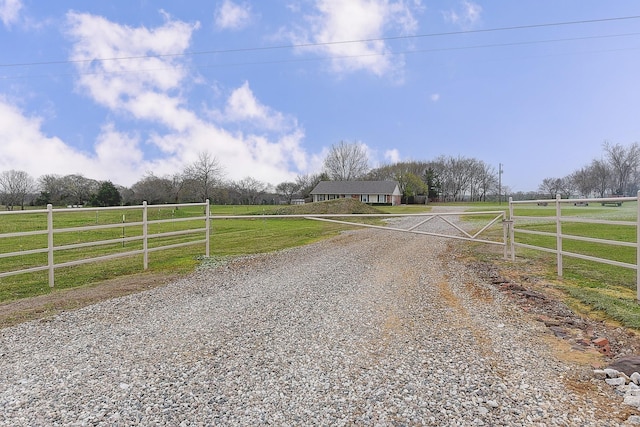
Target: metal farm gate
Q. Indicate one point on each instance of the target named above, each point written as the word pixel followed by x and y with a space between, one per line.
pixel 484 220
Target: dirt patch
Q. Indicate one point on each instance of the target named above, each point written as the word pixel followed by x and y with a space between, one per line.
pixel 586 340
pixel 46 306
pixel 572 337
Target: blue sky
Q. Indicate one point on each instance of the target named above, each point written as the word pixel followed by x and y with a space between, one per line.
pixel 115 90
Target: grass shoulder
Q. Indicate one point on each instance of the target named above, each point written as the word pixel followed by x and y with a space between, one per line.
pixel 597 291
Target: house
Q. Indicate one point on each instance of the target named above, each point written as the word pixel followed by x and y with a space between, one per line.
pixel 373 192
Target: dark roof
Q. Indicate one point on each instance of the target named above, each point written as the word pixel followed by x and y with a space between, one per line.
pixel 355 187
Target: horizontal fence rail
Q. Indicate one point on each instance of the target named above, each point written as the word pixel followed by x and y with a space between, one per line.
pixel 518 221
pixel 144 236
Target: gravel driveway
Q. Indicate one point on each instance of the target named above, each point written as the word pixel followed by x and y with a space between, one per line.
pixel 368 328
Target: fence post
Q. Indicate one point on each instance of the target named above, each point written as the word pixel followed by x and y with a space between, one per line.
pixel 638 247
pixel 559 234
pixel 207 212
pixel 512 238
pixel 50 244
pixel 145 240
pixel 505 236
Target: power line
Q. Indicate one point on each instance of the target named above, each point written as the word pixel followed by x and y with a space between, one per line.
pixel 337 57
pixel 317 44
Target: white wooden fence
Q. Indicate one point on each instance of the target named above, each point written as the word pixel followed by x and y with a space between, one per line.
pixel 560 236
pixel 454 232
pixel 145 237
pixel 511 227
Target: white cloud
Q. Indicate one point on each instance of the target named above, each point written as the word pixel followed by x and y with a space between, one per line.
pixel 435 97
pixel 149 89
pixel 372 154
pixel 117 156
pixel 241 156
pixel 466 16
pixel 113 82
pixel 392 156
pixel 231 16
pixel 337 21
pixel 10 11
pixel 243 107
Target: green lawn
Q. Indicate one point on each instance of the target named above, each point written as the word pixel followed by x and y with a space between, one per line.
pixel 606 289
pixel 250 236
pixel 228 237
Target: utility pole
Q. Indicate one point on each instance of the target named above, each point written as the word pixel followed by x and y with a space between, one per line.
pixel 500 183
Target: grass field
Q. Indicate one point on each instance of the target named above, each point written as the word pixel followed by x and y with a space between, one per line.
pixel 228 237
pixel 124 228
pixel 601 289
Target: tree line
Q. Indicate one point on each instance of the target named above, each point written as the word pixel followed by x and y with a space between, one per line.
pixel 445 179
pixel 616 173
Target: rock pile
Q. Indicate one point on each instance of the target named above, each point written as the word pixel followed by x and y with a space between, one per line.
pixel 623 375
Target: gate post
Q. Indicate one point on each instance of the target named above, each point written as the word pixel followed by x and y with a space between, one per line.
pixel 638 247
pixel 145 238
pixel 505 236
pixel 50 244
pixel 207 213
pixel 512 238
pixel 559 234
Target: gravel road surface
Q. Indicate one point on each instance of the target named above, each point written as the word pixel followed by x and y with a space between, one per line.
pixel 368 328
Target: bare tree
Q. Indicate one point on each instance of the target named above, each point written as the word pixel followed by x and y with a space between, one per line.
pixel 453 178
pixel 308 182
pixel 384 172
pixel 76 189
pixel 14 188
pixel 567 187
pixel 178 182
pixel 551 186
pixel 203 175
pixel 584 181
pixel 153 190
pixel 455 174
pixel 601 173
pixel 250 189
pixel 51 189
pixel 486 179
pixel 624 163
pixel 347 161
pixel 287 190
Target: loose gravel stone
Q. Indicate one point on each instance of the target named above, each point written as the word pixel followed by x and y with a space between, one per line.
pixel 368 328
